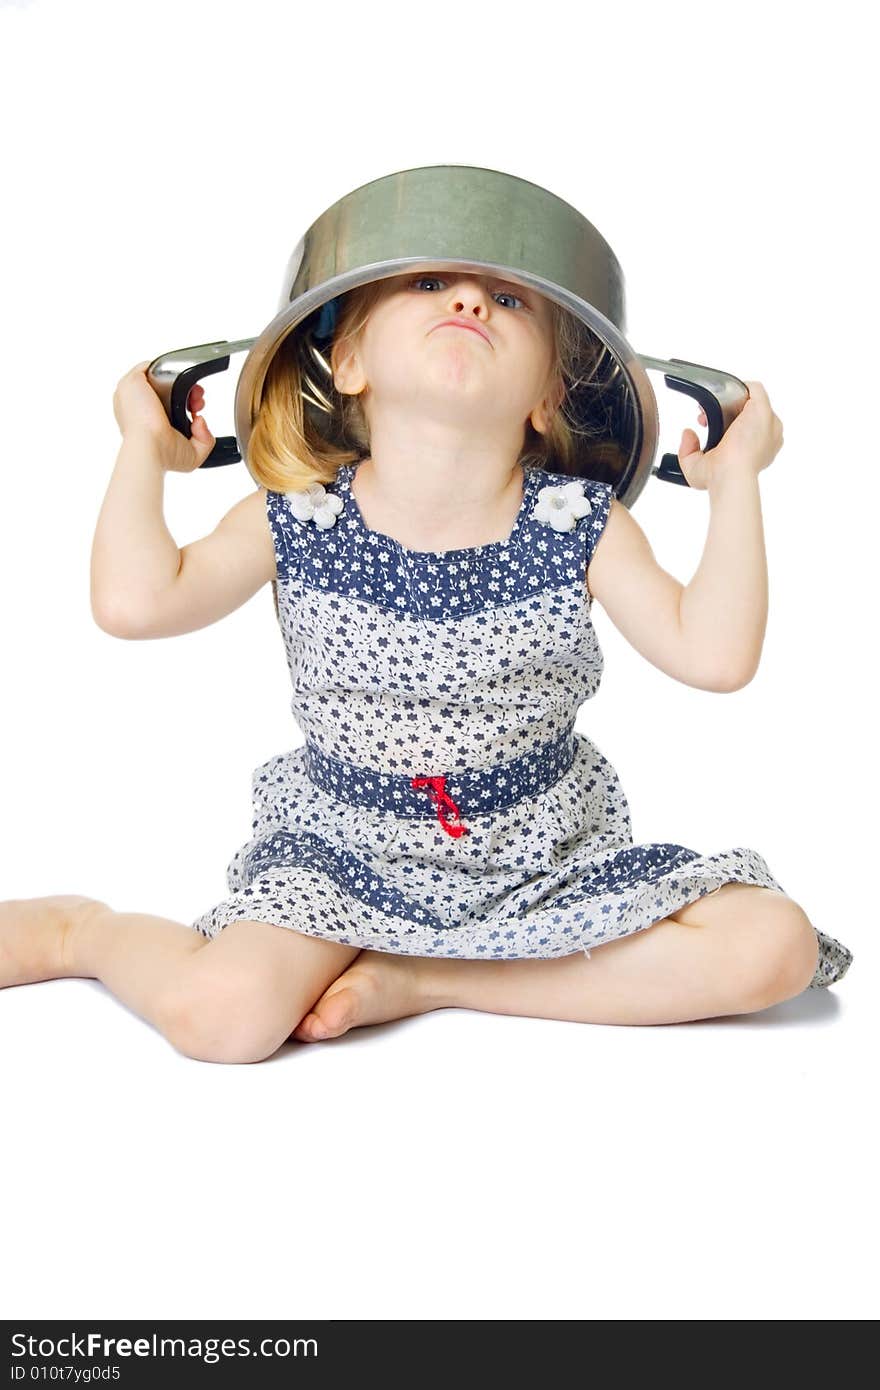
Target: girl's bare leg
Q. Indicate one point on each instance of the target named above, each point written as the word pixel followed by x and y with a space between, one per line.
pixel 736 950
pixel 234 998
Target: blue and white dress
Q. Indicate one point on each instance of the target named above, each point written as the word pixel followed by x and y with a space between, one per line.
pixel 443 804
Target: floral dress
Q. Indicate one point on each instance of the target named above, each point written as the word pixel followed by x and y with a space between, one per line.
pixel 443 803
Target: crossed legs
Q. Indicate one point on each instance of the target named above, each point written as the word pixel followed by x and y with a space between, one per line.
pixel 238 997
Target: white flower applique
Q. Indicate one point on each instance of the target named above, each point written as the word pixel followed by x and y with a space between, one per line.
pixel 560 507
pixel 315 504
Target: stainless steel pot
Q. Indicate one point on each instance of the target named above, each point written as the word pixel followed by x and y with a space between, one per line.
pixel 456 216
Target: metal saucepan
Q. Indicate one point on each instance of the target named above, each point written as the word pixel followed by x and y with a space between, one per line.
pixel 449 216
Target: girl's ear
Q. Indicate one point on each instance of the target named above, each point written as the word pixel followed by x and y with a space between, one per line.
pixel 348 376
pixel 543 413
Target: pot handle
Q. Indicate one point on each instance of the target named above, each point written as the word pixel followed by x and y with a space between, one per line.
pixel 722 397
pixel 173 375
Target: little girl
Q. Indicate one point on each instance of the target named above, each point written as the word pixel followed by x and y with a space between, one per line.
pixel 444 838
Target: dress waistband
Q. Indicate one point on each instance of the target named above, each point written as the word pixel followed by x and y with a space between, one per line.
pixel 450 795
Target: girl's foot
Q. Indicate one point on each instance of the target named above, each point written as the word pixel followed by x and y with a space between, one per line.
pixel 34 936
pixel 376 988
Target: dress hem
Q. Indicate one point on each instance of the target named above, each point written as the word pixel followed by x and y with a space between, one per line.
pixel 543 933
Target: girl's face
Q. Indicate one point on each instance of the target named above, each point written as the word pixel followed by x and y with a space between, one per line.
pixel 490 379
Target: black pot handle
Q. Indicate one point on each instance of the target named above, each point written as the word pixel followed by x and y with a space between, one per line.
pixel 722 397
pixel 173 375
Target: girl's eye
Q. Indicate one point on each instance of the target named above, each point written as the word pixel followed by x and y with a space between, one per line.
pixel 435 279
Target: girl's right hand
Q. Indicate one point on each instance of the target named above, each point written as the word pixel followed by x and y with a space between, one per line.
pixel 140 413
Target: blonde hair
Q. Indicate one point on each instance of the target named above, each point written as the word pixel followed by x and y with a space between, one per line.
pixel 286 451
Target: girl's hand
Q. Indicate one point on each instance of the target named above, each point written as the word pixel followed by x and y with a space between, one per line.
pixel 750 444
pixel 140 413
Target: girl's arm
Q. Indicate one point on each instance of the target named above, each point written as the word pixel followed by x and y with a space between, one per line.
pixel 709 633
pixel 723 609
pixel 142 585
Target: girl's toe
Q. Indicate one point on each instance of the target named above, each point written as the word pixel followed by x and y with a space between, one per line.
pixel 305 1029
pixel 337 1014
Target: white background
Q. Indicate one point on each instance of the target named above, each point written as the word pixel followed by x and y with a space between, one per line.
pixel 160 162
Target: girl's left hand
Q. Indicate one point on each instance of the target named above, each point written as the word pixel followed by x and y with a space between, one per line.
pixel 751 443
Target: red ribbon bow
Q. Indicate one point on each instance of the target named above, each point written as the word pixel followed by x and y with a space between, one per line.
pixel 436 786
